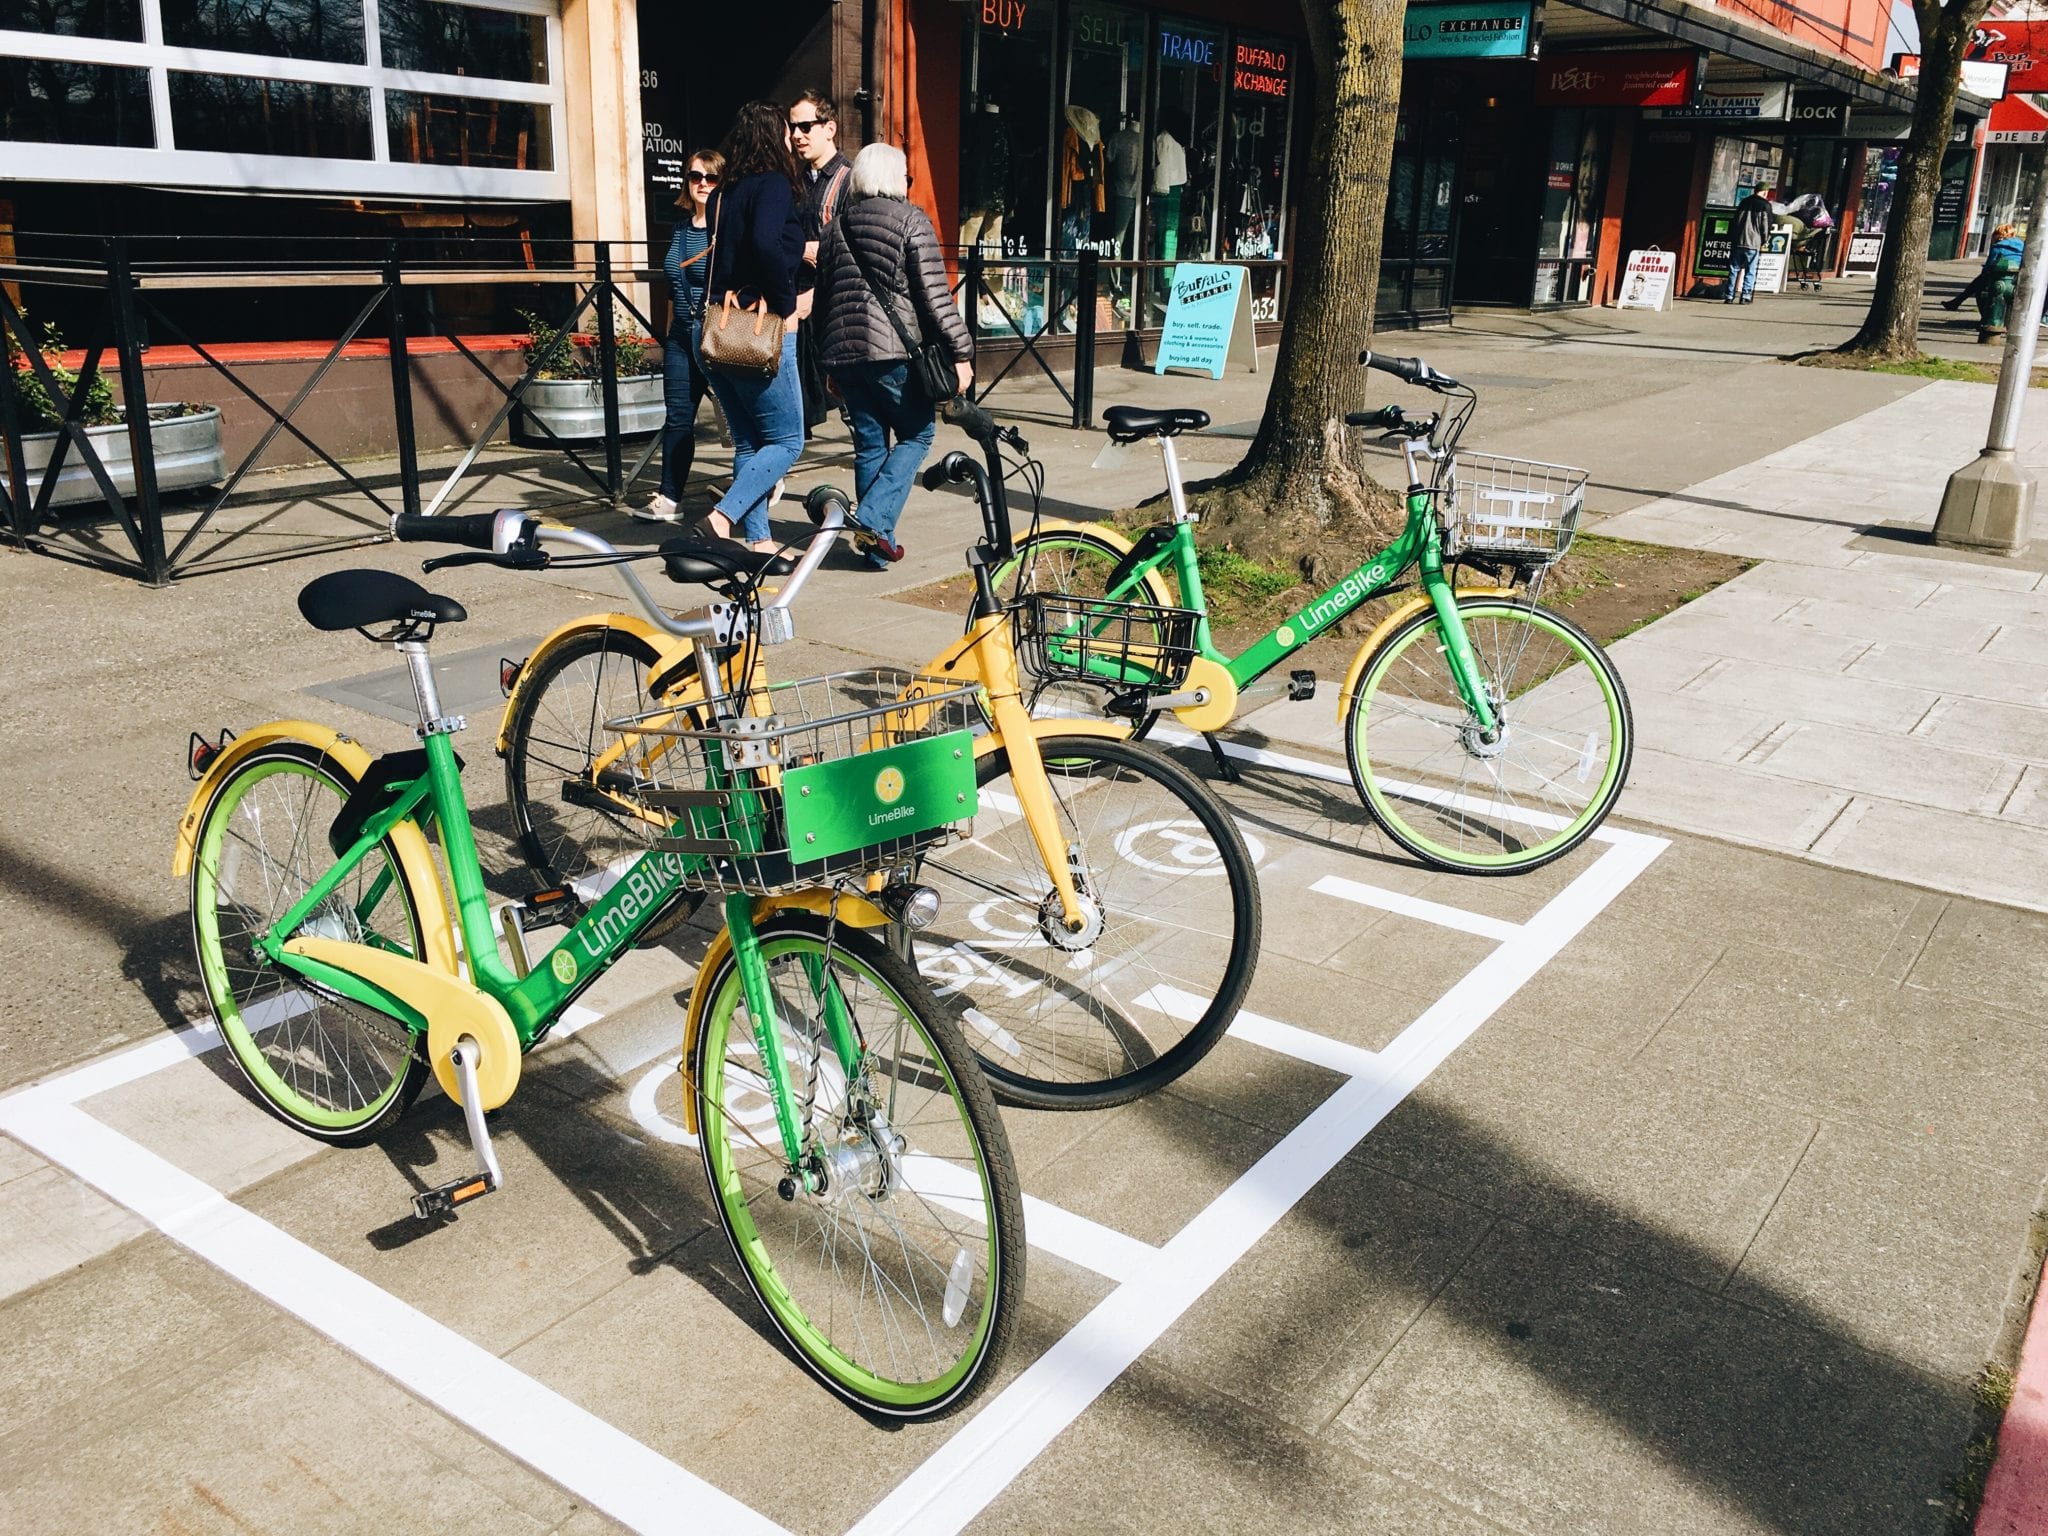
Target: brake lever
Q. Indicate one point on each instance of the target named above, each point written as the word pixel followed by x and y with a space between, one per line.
pixel 511 561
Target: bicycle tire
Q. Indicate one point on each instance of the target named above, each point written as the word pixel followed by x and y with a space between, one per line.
pixel 1414 767
pixel 330 1067
pixel 555 733
pixel 1043 1041
pixel 954 1172
pixel 1073 563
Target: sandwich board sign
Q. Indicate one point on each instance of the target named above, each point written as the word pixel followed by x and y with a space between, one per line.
pixel 1208 320
pixel 1646 281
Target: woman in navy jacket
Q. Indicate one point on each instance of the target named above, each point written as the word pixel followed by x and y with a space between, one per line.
pixel 758 240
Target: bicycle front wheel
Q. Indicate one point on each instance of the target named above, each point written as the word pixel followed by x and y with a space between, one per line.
pixel 565 775
pixel 329 1066
pixel 1531 792
pixel 892 1261
pixel 1170 935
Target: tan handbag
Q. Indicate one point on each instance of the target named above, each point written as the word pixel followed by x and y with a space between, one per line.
pixel 737 339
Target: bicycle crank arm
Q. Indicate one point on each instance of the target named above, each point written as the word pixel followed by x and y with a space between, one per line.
pixel 1187 698
pixel 432 1204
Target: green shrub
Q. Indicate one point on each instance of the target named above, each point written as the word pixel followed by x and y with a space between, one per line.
pixel 101 409
pixel 573 355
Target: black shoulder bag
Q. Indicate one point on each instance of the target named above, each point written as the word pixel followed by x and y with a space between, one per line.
pixel 931 368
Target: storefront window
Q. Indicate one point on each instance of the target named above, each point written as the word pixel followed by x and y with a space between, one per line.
pixel 240 114
pixel 1005 158
pixel 1255 147
pixel 1102 147
pixel 438 39
pixel 329 30
pixel 118 19
pixel 46 101
pixel 1739 167
pixel 1568 218
pixel 1415 249
pixel 468 131
pixel 1187 118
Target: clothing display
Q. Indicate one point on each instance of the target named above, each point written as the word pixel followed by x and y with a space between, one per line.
pixel 1169 165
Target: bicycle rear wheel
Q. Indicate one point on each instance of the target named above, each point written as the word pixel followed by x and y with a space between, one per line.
pixel 897 1281
pixel 1075 563
pixel 1171 899
pixel 331 1067
pixel 1534 791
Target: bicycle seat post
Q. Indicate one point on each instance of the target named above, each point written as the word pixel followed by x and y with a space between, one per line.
pixel 425 695
pixel 1174 493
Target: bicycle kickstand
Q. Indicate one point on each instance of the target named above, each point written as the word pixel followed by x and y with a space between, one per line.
pixel 1224 765
pixel 433 1204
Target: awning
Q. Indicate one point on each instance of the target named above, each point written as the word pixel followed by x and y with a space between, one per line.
pixel 1753 43
pixel 2016 120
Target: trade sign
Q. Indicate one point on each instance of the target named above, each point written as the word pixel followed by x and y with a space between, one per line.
pixel 1469 29
pixel 1767 99
pixel 1661 77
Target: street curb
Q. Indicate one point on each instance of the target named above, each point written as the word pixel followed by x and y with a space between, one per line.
pixel 2016 1493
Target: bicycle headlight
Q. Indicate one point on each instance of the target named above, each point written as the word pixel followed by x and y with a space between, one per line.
pixel 914 906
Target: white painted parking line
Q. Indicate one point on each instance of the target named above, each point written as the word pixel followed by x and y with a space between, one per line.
pixel 1282 1039
pixel 1414 906
pixel 984 1457
pixel 609 1468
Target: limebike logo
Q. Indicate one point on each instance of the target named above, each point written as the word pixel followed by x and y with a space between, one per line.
pixel 1342 599
pixel 642 890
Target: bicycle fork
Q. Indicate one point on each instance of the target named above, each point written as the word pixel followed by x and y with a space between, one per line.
pixel 1458 652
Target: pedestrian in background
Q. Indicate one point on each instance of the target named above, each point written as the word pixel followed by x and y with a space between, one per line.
pixel 757 243
pixel 1994 283
pixel 814 140
pixel 882 288
pixel 684 382
pixel 1747 238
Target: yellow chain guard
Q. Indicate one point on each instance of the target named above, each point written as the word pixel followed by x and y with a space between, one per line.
pixel 1222 705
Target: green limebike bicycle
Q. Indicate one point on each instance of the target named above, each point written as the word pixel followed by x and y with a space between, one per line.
pixel 851 1146
pixel 1485 733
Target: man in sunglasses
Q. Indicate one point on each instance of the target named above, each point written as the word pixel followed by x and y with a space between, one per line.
pixel 814 139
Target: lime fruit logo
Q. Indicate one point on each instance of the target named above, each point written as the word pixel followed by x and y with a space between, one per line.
pixel 1285 634
pixel 564 967
pixel 889 785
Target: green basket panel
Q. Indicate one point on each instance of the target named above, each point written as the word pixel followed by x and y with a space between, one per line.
pixel 877 797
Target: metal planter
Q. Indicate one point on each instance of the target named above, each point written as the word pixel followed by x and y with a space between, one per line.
pixel 187 451
pixel 573 409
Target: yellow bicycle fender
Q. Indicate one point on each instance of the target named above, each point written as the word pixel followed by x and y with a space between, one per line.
pixel 1222 706
pixel 853 912
pixel 1109 730
pixel 1386 627
pixel 452 1008
pixel 630 623
pixel 407 841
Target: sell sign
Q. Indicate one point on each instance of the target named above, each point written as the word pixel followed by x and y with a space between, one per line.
pixel 1469 29
pixel 1742 99
pixel 1652 78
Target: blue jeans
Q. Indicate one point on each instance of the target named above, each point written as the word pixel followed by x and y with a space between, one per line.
pixel 1742 273
pixel 767 421
pixel 892 432
pixel 683 386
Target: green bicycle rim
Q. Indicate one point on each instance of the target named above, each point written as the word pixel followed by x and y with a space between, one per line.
pixel 220 988
pixel 1596 805
pixel 768 1282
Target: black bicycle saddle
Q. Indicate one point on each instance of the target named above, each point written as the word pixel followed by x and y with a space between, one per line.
pixel 359 599
pixel 714 560
pixel 1128 423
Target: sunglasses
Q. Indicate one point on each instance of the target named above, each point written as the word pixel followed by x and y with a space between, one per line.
pixel 807 124
pixel 708 178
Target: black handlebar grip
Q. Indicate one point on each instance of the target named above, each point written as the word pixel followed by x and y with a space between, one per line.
pixel 1413 370
pixel 971 419
pixel 934 475
pixel 473 530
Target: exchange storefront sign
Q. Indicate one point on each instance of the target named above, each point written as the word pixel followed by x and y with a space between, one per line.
pixel 1753 101
pixel 1208 320
pixel 1662 77
pixel 1469 29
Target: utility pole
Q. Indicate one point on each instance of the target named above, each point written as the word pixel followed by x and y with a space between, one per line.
pixel 1989 503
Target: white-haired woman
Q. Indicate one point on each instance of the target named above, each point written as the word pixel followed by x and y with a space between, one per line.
pixel 883 250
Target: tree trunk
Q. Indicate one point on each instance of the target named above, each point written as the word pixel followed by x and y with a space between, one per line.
pixel 1300 493
pixel 1891 331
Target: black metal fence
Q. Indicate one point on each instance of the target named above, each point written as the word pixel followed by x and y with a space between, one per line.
pixel 118 293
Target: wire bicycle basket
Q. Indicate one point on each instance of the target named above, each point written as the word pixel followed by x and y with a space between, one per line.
pixel 1518 510
pixel 806 781
pixel 1112 644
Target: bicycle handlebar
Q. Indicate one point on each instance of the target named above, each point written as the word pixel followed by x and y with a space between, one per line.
pixel 1412 370
pixel 472 530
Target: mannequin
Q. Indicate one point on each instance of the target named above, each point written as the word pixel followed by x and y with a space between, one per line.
pixel 987 179
pixel 1169 176
pixel 1081 192
pixel 1125 153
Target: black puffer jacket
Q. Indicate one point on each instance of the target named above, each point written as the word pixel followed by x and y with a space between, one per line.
pixel 901 253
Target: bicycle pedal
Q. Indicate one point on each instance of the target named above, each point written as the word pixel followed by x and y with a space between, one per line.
pixel 441 1201
pixel 1301 684
pixel 548 909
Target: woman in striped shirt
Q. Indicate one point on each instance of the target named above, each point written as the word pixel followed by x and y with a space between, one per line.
pixel 684 383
